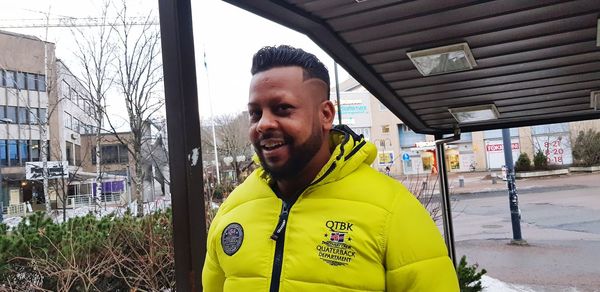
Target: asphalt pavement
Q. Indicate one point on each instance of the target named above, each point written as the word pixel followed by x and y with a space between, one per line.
pixel 560 220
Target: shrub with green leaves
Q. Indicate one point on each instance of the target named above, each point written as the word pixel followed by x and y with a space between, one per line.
pixel 88 254
pixel 586 148
pixel 523 163
pixel 469 279
pixel 540 160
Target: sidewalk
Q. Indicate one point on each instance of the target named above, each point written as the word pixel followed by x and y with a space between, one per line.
pixel 481 182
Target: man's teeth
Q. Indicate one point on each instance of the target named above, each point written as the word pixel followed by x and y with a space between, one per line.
pixel 272 144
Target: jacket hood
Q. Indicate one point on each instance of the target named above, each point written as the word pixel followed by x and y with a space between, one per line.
pixel 350 150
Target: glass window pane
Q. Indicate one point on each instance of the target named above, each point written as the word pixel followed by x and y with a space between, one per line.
pixel 2 112
pixel 77 155
pixel 110 154
pixel 11 113
pixel 42 115
pixel 20 80
pixel 33 116
pixel 23 151
pixel 31 81
pixel 68 121
pixel 123 154
pixel 3 154
pixel 1 77
pixel 23 115
pixel 76 125
pixel 41 82
pixel 93 155
pixel 10 79
pixel 13 155
pixel 35 150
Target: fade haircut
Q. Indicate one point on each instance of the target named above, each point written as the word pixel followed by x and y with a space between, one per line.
pixel 284 56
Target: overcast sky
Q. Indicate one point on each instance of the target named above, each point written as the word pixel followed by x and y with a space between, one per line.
pixel 229 35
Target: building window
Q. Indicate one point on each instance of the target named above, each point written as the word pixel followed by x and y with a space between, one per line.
pixel 1 77
pixel 13 153
pixel 35 150
pixel 69 152
pixel 42 115
pixel 385 129
pixel 31 80
pixel 11 113
pixel 3 154
pixel 20 80
pixel 2 112
pixel 76 125
pixel 77 155
pixel 408 138
pixel 23 115
pixel 23 151
pixel 10 79
pixel 123 154
pixel 73 94
pixel 112 154
pixel 41 82
pixel 68 121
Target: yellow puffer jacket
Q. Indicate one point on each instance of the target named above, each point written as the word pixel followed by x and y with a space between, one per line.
pixel 352 229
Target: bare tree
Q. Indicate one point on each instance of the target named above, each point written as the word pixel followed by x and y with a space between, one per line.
pixel 139 75
pixel 96 52
pixel 232 139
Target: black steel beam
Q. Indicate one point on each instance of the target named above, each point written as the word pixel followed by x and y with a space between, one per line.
pixel 183 124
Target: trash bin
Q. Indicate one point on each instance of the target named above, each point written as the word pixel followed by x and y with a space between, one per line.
pixel 461 181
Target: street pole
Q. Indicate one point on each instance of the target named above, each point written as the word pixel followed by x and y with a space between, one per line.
pixel 337 93
pixel 513 197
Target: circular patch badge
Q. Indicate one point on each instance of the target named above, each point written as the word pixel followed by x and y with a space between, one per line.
pixel 232 238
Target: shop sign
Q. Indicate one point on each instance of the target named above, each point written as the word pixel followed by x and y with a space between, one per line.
pixel 386 157
pixel 56 169
pixel 500 147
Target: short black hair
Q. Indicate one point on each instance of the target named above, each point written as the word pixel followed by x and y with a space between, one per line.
pixel 283 56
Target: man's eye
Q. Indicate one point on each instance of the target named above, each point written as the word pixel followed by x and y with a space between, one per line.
pixel 283 108
pixel 254 115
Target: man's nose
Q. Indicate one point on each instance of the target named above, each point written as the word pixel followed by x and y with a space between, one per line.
pixel 267 122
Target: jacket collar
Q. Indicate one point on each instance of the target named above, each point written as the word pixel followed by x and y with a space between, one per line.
pixel 349 152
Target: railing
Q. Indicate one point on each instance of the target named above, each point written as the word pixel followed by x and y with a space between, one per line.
pixel 79 200
pixel 14 210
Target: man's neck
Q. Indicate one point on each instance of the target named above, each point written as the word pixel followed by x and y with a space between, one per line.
pixel 290 189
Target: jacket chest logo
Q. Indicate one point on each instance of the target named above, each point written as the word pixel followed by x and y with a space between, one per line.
pixel 336 247
pixel 232 238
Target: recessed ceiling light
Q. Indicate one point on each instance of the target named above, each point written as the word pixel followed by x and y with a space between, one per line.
pixel 595 100
pixel 478 113
pixel 598 33
pixel 452 58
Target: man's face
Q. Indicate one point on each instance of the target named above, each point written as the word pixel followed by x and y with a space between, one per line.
pixel 287 125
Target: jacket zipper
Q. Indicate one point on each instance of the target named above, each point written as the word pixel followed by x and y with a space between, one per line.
pixel 279 237
pixel 279 234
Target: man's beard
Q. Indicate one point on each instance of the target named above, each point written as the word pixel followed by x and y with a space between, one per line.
pixel 299 156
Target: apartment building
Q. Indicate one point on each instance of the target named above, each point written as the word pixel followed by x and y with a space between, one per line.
pixel 40 99
pixel 405 152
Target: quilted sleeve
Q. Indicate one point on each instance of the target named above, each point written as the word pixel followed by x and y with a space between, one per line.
pixel 416 255
pixel 213 276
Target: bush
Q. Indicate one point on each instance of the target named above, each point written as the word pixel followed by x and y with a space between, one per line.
pixel 88 254
pixel 586 148
pixel 540 161
pixel 469 280
pixel 523 163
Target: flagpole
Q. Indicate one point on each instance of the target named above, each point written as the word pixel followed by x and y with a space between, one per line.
pixel 212 120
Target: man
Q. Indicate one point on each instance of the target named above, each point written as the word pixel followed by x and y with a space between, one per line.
pixel 315 216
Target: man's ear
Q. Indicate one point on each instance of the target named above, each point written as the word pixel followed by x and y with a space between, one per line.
pixel 327 114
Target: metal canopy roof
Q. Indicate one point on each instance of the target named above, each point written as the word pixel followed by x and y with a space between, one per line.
pixel 537 60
